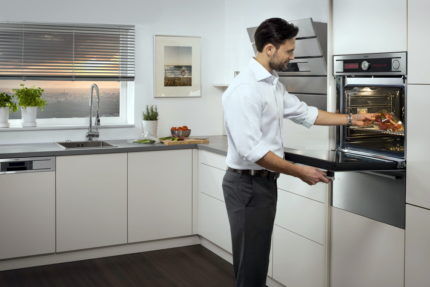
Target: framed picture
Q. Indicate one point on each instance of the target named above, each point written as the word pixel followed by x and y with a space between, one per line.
pixel 177 66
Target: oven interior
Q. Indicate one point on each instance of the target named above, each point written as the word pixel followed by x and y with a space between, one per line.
pixel 375 99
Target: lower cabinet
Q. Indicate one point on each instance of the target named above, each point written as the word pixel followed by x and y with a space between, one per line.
pixel 365 252
pixel 297 261
pixel 91 201
pixel 417 251
pixel 27 214
pixel 159 194
pixel 213 221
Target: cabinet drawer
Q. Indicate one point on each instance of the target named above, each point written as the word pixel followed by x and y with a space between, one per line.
pixel 301 215
pixel 213 221
pixel 212 159
pixel 417 187
pixel 210 181
pixel 293 184
pixel 417 251
pixel 297 261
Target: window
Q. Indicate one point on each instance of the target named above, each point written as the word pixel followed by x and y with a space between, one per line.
pixel 65 60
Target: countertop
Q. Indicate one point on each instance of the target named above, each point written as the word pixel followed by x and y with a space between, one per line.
pixel 217 144
pixel 325 159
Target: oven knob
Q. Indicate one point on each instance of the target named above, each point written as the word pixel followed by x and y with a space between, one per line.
pixel 395 65
pixel 365 65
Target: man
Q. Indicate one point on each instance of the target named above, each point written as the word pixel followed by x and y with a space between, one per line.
pixel 254 107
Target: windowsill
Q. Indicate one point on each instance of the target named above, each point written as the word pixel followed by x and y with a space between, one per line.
pixel 62 127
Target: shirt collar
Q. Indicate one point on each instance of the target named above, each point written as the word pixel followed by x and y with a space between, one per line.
pixel 261 74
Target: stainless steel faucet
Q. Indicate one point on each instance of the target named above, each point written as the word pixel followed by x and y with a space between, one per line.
pixel 93 131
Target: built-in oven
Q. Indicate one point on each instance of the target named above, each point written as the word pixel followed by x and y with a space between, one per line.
pixel 373 83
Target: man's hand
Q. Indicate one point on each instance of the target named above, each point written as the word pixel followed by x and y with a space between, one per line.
pixel 312 175
pixel 363 119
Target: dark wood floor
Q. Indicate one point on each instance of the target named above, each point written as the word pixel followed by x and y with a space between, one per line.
pixel 191 266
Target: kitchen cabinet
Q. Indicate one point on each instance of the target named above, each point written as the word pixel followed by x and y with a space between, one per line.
pixel 91 201
pixel 369 26
pixel 159 194
pixel 297 262
pixel 418 41
pixel 365 252
pixel 27 214
pixel 301 215
pixel 418 161
pixel 417 252
pixel 299 238
pixel 213 222
pixel 212 213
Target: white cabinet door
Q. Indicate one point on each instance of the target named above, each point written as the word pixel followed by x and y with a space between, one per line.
pixel 293 184
pixel 417 247
pixel 210 181
pixel 297 261
pixel 365 252
pixel 418 160
pixel 369 26
pixel 213 221
pixel 301 215
pixel 27 214
pixel 159 194
pixel 91 201
pixel 418 42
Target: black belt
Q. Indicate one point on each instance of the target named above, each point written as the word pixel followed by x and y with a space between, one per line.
pixel 256 172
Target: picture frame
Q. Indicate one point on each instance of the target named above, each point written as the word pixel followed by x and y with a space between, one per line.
pixel 177 66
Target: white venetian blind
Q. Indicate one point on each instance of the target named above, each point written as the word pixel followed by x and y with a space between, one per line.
pixel 66 51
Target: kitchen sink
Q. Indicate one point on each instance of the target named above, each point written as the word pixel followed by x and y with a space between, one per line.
pixel 85 144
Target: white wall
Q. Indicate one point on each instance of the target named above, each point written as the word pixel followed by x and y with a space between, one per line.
pixel 241 14
pixel 202 18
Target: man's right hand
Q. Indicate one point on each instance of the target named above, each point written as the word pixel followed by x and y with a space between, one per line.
pixel 312 175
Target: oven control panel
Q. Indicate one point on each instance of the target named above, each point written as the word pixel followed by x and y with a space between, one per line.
pixel 386 64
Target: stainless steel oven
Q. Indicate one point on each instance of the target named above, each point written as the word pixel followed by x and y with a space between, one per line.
pixel 374 83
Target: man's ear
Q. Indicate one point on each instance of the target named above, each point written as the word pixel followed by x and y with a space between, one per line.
pixel 269 49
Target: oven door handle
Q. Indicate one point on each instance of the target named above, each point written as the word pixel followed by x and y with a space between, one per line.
pixel 389 176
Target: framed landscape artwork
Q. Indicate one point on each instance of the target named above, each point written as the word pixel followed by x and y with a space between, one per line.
pixel 177 66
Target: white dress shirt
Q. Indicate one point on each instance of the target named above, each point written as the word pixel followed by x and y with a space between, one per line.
pixel 254 107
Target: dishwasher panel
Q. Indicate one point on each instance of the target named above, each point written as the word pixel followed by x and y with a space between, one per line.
pixel 27 207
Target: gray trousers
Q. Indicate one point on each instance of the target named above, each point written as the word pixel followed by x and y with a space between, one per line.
pixel 251 208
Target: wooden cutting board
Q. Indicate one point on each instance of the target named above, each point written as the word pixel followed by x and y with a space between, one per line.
pixel 186 141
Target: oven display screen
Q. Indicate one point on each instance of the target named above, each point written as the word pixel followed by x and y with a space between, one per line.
pixel 350 66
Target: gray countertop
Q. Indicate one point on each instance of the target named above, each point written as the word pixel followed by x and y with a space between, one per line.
pixel 217 144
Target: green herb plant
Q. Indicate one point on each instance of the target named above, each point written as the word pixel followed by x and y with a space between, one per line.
pixel 6 101
pixel 30 97
pixel 151 113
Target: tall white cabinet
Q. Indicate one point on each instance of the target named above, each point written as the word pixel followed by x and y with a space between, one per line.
pixel 91 202
pixel 418 42
pixel 159 194
pixel 417 252
pixel 369 26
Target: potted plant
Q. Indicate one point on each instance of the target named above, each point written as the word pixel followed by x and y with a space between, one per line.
pixel 150 122
pixel 29 99
pixel 6 105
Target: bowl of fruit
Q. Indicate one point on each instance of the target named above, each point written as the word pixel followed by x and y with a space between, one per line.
pixel 180 132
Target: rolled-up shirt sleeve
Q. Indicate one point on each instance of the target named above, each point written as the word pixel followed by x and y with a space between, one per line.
pixel 298 111
pixel 243 109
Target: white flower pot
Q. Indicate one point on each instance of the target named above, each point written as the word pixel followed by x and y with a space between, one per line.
pixel 4 117
pixel 149 129
pixel 28 116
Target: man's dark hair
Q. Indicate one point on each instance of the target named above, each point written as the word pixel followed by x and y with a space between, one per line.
pixel 274 31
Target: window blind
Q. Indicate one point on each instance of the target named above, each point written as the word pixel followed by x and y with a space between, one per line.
pixel 66 51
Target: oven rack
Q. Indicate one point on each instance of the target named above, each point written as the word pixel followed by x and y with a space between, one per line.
pixel 376 130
